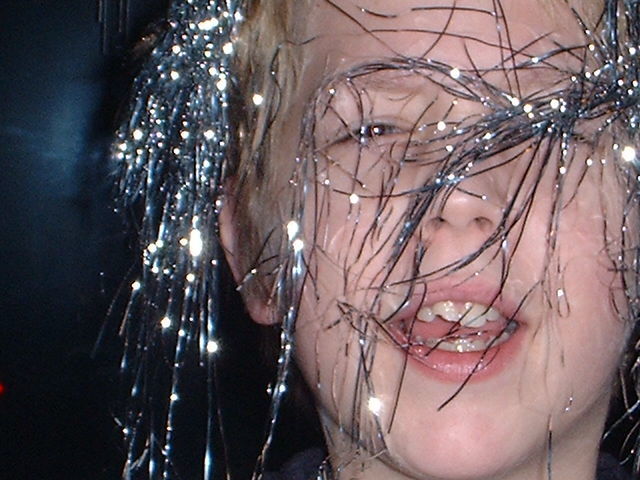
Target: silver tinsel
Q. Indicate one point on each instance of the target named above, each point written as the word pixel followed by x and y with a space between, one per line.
pixel 170 155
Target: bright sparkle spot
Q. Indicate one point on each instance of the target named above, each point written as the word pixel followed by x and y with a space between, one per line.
pixel 441 125
pixel 227 48
pixel 555 103
pixel 257 99
pixel 592 47
pixel 292 229
pixel 212 346
pixel 195 242
pixel 136 286
pixel 282 388
pixel 528 108
pixel 184 242
pixel 535 60
pixel 628 153
pixel 222 83
pixel 208 134
pixel 173 397
pixel 165 322
pixel 449 148
pixel 589 162
pixel 514 100
pixel 153 248
pixel 209 24
pixel 354 198
pixel 455 73
pixel 632 50
pixel 122 147
pixel 375 405
pixel 137 134
pixel 191 277
pixel 184 134
pixel 560 293
pixel 298 245
pixel 176 49
pixel 563 170
pixel 174 75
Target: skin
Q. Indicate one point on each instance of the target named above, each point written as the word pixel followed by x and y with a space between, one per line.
pixel 559 379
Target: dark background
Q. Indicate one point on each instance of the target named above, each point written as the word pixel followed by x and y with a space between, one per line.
pixel 65 69
pixel 63 74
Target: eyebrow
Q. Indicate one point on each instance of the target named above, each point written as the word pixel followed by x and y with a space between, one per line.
pixel 386 75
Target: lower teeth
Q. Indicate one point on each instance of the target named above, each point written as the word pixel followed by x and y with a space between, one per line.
pixel 465 344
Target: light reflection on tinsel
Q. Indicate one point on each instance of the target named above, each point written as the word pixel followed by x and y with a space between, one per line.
pixel 172 153
pixel 170 156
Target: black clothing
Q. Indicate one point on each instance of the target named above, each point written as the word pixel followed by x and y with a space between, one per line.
pixel 609 469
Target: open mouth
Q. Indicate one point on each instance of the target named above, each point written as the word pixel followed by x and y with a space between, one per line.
pixel 455 338
pixel 457 327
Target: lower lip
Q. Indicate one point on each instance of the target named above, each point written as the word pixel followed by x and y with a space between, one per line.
pixel 467 367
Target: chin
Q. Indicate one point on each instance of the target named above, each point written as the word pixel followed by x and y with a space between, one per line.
pixel 454 445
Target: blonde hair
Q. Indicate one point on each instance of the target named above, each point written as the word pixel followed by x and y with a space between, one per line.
pixel 266 66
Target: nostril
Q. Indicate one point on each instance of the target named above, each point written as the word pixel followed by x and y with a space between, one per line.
pixel 483 224
pixel 480 223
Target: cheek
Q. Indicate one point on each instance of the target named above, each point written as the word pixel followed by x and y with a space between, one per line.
pixel 587 321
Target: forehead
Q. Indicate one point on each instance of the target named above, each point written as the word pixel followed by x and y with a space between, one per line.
pixel 467 34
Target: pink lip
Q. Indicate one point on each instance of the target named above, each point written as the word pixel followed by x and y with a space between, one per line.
pixel 459 367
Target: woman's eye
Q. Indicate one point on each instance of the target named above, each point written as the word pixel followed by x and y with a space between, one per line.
pixel 366 133
pixel 369 135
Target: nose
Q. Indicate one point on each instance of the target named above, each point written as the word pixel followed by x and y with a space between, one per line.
pixel 467 209
pixel 463 218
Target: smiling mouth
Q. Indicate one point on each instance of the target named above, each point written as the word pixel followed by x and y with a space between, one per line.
pixel 456 338
pixel 460 327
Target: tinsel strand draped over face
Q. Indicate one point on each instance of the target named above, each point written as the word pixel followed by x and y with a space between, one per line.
pixel 171 155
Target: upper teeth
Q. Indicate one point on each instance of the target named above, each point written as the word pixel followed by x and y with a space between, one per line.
pixel 469 314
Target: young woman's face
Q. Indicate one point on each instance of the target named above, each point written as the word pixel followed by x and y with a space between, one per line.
pixel 463 310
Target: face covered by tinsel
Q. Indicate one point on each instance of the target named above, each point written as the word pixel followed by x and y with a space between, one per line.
pixel 463 214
